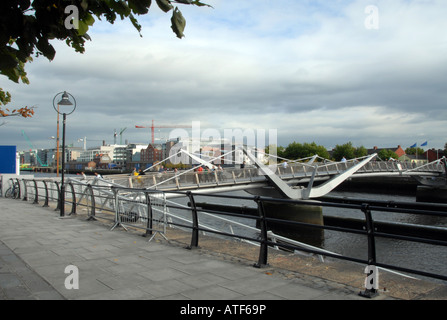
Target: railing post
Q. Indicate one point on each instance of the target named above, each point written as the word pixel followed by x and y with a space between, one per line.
pixel 19 192
pixel 197 179
pixel 25 196
pixel 46 194
pixel 92 213
pixel 58 196
pixel 262 260
pixel 444 161
pixel 149 215
pixel 371 281
pixel 36 196
pixel 73 198
pixel 215 177
pixel 117 210
pixel 195 222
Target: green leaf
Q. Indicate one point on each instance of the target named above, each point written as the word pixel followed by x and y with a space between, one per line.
pixel 7 61
pixel 82 28
pixel 135 24
pixel 84 24
pixel 46 48
pixel 89 20
pixel 140 6
pixel 165 5
pixel 119 7
pixel 193 2
pixel 200 4
pixel 178 23
pixel 12 74
pixel 84 4
pixel 5 97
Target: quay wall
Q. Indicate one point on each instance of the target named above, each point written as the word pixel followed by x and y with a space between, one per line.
pixel 381 185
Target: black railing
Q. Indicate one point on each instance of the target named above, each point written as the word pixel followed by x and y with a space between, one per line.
pixel 95 197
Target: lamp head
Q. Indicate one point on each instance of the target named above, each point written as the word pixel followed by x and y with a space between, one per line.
pixel 65 100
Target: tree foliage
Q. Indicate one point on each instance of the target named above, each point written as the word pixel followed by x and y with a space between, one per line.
pixel 414 150
pixel 387 154
pixel 346 150
pixel 27 27
pixel 298 151
pixel 5 98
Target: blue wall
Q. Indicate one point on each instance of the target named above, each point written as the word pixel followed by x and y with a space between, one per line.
pixel 8 159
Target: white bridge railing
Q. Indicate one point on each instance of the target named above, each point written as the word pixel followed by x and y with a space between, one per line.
pixel 169 180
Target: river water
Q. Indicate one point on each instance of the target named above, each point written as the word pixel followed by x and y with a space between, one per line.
pixel 423 257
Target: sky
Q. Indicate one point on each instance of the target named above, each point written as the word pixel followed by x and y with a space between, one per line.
pixel 370 72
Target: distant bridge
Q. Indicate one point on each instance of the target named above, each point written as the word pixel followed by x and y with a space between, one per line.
pixel 293 179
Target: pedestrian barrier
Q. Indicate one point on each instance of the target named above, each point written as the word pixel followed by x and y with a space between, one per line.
pixel 153 211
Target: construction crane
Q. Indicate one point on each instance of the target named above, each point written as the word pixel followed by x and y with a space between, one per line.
pixel 32 149
pixel 85 141
pixel 121 135
pixel 165 126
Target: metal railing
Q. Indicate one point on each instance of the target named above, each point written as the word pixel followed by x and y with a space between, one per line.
pixel 153 211
pixel 186 180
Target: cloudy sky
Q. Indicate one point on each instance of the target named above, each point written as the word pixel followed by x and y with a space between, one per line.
pixel 372 72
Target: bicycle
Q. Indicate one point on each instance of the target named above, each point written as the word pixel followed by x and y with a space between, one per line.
pixel 13 191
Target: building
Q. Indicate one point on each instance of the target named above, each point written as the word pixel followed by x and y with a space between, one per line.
pixel 92 153
pixel 433 155
pixel 152 154
pixel 399 151
pixel 120 156
pixel 417 160
pixel 133 159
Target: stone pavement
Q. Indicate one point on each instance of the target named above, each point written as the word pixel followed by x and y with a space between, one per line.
pixel 36 246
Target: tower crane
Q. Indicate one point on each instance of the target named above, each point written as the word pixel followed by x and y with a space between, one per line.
pixel 32 150
pixel 121 135
pixel 162 126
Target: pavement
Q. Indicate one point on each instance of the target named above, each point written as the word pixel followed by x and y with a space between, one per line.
pixel 47 257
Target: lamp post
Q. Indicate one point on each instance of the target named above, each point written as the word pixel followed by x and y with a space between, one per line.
pixel 68 108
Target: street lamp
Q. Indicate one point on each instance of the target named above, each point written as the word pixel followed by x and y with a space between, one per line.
pixel 68 108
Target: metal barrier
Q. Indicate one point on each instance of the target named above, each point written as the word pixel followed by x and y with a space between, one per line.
pixel 152 211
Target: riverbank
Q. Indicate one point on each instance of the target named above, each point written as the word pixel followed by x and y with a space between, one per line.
pixel 381 185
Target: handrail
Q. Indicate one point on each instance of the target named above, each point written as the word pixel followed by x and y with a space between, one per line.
pixel 144 198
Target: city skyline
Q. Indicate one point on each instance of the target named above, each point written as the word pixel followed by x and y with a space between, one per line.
pixel 315 71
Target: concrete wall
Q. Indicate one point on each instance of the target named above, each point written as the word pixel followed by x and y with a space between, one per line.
pixel 6 182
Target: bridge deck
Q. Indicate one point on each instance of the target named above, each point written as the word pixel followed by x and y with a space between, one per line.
pixel 293 173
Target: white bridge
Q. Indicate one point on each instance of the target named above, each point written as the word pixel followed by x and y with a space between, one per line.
pixel 293 179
